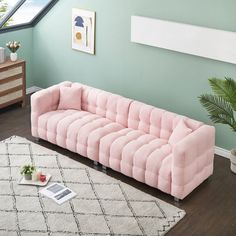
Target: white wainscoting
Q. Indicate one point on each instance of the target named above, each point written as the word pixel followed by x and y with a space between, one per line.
pixel 200 41
pixel 222 152
pixel 32 89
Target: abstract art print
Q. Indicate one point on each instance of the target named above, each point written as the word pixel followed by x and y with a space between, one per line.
pixel 83 30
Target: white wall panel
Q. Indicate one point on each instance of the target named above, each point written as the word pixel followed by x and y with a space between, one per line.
pixel 200 41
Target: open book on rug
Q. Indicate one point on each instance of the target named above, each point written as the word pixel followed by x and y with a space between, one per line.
pixel 57 192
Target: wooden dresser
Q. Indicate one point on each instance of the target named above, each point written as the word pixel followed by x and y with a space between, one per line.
pixel 12 83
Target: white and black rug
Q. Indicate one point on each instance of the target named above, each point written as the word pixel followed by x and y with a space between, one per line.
pixel 103 206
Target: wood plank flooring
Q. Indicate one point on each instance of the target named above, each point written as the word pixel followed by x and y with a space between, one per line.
pixel 211 208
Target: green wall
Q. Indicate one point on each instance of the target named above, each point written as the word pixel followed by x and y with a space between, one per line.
pixel 25 36
pixel 163 78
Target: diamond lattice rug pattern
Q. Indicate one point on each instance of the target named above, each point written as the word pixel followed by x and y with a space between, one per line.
pixel 103 205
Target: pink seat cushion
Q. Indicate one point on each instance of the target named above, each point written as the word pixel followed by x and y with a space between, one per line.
pixel 78 131
pixel 70 98
pixel 138 155
pixel 180 131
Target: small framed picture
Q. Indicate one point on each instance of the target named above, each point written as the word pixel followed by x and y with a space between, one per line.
pixel 83 30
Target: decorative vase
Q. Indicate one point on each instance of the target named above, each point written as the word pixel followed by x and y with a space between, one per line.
pixel 28 177
pixel 2 55
pixel 233 160
pixel 13 56
pixel 35 176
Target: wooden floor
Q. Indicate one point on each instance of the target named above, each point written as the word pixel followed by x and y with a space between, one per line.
pixel 211 208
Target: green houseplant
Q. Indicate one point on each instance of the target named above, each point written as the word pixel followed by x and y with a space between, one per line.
pixel 221 106
pixel 27 171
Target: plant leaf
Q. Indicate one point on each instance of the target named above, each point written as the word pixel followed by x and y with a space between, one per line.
pixel 225 89
pixel 223 119
pixel 216 105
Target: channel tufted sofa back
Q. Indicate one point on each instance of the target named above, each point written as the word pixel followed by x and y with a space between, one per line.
pixel 155 121
pixel 131 113
pixel 105 104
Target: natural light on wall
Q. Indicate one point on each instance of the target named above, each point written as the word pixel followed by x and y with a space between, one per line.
pixel 21 12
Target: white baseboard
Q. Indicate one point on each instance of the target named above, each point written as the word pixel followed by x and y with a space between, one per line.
pixel 222 152
pixel 32 89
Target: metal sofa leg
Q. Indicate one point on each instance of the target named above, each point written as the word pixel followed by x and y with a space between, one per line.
pixel 95 165
pixel 37 139
pixel 104 169
pixel 176 199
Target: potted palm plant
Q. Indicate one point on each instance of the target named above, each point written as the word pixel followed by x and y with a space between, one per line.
pixel 27 171
pixel 221 106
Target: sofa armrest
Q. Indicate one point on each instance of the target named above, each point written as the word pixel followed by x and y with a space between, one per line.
pixel 192 160
pixel 44 101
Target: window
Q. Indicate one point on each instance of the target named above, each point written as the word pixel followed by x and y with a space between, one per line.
pixel 6 6
pixel 16 14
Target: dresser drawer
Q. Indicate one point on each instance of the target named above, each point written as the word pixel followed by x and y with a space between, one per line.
pixel 11 84
pixel 11 72
pixel 11 96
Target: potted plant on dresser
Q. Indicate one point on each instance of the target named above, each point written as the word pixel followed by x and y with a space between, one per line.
pixel 13 46
pixel 221 106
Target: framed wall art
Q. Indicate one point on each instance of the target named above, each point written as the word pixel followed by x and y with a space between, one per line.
pixel 83 30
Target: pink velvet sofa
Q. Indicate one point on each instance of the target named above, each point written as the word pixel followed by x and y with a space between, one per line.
pixel 162 149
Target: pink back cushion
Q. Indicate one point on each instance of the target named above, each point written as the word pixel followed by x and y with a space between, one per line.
pixel 180 131
pixel 130 113
pixel 70 98
pixel 108 105
pixel 156 121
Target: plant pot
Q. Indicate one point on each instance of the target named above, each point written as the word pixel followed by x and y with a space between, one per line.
pixel 233 160
pixel 28 177
pixel 13 56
